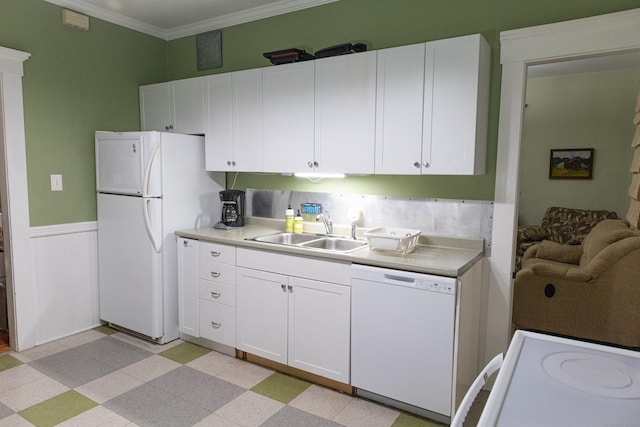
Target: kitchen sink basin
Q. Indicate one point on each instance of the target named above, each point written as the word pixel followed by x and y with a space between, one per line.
pixel 313 241
pixel 335 244
pixel 287 238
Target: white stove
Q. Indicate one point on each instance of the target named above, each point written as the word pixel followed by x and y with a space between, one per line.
pixel 550 381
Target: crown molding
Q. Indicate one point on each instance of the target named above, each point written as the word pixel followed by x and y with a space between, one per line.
pixel 254 14
pixel 589 36
pixel 11 60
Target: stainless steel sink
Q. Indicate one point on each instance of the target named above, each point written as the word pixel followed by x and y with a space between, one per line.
pixel 287 238
pixel 335 244
pixel 313 241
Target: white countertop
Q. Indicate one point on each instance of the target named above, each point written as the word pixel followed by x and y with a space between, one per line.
pixel 444 256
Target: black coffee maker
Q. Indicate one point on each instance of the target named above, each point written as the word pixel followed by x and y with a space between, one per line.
pixel 232 209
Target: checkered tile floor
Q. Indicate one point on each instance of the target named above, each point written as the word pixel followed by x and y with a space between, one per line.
pixel 106 378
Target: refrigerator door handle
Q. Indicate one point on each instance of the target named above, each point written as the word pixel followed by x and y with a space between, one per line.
pixel 147 224
pixel 145 196
pixel 147 169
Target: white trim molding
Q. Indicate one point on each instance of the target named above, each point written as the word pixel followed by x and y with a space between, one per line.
pixel 253 14
pixel 60 229
pixel 589 37
pixel 15 201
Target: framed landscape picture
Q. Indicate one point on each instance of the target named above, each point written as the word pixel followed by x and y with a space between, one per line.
pixel 571 163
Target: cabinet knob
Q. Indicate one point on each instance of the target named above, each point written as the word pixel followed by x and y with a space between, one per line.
pixel 310 164
pixel 185 243
pixel 215 294
pixel 233 163
pixel 316 164
pixel 215 254
pixel 425 164
pixel 215 274
pixel 290 288
pixel 416 164
pixel 284 287
pixel 228 162
pixel 216 324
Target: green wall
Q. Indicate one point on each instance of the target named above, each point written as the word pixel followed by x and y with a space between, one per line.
pixel 382 24
pixel 77 82
pixel 593 110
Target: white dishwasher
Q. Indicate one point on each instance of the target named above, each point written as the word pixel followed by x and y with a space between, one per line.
pixel 402 339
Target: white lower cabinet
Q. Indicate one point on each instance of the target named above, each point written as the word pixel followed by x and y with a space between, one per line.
pixel 296 321
pixel 207 290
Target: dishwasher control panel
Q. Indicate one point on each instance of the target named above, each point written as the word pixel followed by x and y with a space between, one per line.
pixel 448 287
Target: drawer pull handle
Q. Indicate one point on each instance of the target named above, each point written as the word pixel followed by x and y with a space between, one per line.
pixel 215 294
pixel 215 274
pixel 216 324
pixel 215 254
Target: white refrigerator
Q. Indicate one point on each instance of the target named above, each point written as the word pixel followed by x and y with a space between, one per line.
pixel 149 184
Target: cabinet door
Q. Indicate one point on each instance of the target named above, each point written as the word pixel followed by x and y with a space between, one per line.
pixel 319 328
pixel 218 136
pixel 288 112
pixel 262 314
pixel 155 109
pixel 460 105
pixel 345 113
pixel 399 115
pixel 247 120
pixel 188 313
pixel 188 105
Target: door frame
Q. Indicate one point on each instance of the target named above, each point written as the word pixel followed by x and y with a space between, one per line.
pixel 14 194
pixel 582 38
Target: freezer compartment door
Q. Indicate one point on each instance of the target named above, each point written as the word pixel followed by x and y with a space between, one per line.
pixel 127 163
pixel 129 269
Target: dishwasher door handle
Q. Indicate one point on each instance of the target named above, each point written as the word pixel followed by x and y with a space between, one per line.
pixel 401 280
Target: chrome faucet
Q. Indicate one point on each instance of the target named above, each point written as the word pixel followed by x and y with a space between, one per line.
pixel 353 230
pixel 328 224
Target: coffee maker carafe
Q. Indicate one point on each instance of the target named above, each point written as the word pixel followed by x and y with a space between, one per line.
pixel 232 209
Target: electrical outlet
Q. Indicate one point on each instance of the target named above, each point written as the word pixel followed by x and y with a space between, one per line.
pixel 56 182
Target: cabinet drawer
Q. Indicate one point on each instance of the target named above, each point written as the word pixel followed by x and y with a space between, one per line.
pixel 217 252
pixel 217 292
pixel 218 322
pixel 217 272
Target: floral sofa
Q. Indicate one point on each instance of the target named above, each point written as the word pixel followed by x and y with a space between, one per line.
pixel 561 225
pixel 589 291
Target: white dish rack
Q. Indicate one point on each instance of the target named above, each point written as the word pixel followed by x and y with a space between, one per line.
pixel 398 240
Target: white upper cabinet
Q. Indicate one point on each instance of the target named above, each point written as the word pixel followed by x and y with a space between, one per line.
pixel 234 121
pixel 345 113
pixel 177 106
pixel 461 71
pixel 432 107
pixel 288 113
pixel 399 104
pixel 218 136
pixel 155 107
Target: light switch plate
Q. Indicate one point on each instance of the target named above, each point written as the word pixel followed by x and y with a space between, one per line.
pixel 56 182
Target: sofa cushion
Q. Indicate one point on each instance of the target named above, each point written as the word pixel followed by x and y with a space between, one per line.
pixel 604 234
pixel 569 254
pixel 570 226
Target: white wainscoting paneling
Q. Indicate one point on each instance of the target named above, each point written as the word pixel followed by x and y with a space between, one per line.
pixel 65 274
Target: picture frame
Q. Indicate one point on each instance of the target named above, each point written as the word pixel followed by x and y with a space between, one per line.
pixel 571 163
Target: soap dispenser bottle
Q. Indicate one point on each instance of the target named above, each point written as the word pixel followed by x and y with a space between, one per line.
pixel 289 216
pixel 298 226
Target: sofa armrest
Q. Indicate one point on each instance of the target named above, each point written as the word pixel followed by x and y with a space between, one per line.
pixel 558 271
pixel 532 233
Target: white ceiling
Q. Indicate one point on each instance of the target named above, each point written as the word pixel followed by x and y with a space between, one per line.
pixel 172 19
